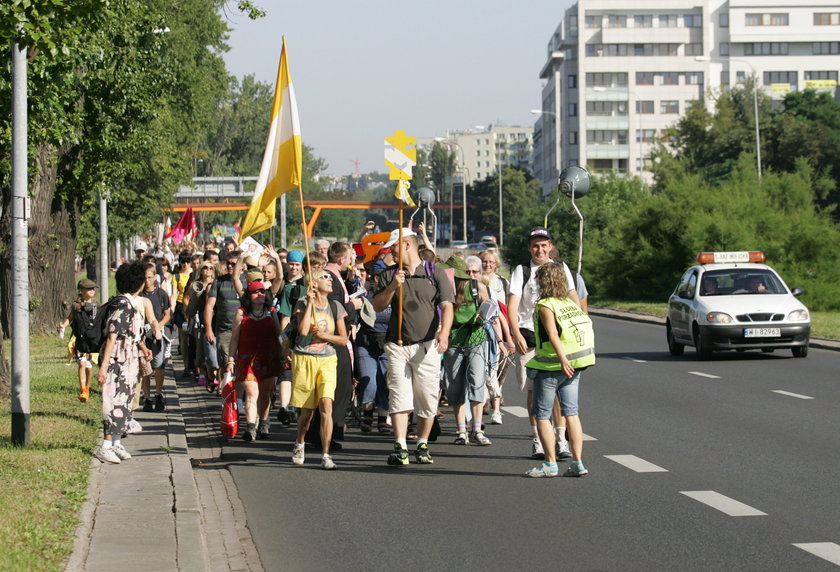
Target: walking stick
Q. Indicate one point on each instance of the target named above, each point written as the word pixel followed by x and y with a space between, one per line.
pixel 400 293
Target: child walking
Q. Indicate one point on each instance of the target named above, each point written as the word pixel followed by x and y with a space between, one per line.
pixel 82 311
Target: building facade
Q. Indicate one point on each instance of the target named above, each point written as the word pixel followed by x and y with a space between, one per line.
pixel 617 73
pixel 480 151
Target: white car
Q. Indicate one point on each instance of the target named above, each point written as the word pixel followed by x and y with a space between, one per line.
pixel 730 301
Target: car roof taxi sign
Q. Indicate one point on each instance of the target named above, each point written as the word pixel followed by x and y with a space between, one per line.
pixel 730 257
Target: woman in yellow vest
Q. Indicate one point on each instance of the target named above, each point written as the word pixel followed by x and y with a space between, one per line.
pixel 565 345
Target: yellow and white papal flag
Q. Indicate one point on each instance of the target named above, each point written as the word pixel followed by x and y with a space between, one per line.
pixel 282 163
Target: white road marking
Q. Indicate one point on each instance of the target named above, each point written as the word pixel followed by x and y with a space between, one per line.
pixel 516 411
pixel 723 503
pixel 588 437
pixel 826 550
pixel 634 359
pixel 635 463
pixel 701 374
pixel 789 394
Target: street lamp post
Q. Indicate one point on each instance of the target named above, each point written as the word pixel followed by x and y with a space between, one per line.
pixel 755 102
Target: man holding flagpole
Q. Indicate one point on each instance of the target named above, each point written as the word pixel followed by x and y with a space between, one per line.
pixel 416 342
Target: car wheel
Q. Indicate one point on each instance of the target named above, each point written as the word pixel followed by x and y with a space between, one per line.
pixel 674 346
pixel 800 351
pixel 703 352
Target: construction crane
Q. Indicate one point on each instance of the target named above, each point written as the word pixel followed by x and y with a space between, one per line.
pixel 356 162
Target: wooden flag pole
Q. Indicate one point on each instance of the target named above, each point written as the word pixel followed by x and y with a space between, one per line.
pixel 400 268
pixel 305 244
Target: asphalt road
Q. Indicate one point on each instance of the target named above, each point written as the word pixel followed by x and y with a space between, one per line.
pixel 730 464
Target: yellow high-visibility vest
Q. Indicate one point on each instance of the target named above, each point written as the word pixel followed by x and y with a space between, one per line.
pixel 576 335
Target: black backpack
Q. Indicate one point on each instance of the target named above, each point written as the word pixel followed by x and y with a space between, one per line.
pixel 89 326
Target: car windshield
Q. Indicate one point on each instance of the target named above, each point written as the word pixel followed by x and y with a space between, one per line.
pixel 737 281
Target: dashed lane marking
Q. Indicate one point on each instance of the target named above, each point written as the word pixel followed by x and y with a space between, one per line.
pixel 589 437
pixel 701 374
pixel 826 550
pixel 628 358
pixel 635 463
pixel 516 411
pixel 789 394
pixel 723 503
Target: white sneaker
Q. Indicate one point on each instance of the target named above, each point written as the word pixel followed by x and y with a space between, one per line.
pixel 327 463
pixel 537 449
pixel 134 427
pixel 496 418
pixel 120 452
pixel 106 455
pixel 563 452
pixel 479 438
pixel 298 456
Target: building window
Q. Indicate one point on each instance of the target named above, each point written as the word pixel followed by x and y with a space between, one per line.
pixel 645 164
pixel 572 137
pixel 571 81
pixel 740 77
pixel 616 21
pixel 670 78
pixel 572 110
pixel 825 48
pixel 820 75
pixel 616 50
pixel 669 106
pixel 606 79
pixel 643 21
pixel 668 21
pixel 723 20
pixel 645 135
pixel 766 49
pixel 642 49
pixel 592 21
pixel 644 78
pixel 767 19
pixel 724 78
pixel 601 165
pixel 693 78
pixel 478 153
pixel 826 18
pixel 694 49
pixel 668 49
pixel 723 48
pixel 784 77
pixel 644 106
pixel 594 50
pixel 692 21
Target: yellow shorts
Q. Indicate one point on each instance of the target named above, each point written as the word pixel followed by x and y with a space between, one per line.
pixel 313 378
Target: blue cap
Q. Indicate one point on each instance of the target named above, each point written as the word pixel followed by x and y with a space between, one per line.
pixel 378 266
pixel 295 256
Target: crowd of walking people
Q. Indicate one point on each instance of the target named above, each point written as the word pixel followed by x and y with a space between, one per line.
pixel 390 335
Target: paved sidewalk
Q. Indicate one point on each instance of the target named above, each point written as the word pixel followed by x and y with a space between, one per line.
pixel 173 505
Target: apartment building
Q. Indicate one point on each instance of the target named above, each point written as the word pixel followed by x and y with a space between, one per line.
pixel 479 151
pixel 617 73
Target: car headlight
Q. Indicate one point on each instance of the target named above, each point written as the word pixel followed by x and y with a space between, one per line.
pixel 719 318
pixel 798 316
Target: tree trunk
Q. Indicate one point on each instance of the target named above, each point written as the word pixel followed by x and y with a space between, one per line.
pixel 52 248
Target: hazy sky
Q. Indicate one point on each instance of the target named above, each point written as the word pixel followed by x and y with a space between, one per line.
pixel 364 68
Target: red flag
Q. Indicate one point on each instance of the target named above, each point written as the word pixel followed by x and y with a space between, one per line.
pixel 184 226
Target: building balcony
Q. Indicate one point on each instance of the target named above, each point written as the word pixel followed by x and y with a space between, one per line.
pixel 608 122
pixel 603 151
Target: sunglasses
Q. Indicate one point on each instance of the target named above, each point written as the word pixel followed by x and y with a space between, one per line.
pixel 258 291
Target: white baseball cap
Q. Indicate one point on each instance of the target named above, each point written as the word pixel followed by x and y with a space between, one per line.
pixel 395 236
pixel 141 245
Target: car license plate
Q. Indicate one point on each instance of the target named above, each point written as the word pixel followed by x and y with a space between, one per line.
pixel 762 332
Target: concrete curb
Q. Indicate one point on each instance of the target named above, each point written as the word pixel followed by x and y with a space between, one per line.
pixel 192 543
pixel 87 516
pixel 820 343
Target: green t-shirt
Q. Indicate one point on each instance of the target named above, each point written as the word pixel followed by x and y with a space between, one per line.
pixel 467 327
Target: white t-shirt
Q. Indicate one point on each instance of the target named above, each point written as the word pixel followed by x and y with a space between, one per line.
pixel 529 293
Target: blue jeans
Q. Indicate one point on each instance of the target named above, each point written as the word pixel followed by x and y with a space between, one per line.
pixel 547 385
pixel 372 369
pixel 466 372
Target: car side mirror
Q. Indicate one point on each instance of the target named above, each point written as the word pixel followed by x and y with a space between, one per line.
pixel 797 292
pixel 684 294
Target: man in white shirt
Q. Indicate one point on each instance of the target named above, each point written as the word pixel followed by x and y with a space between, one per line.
pixel 521 302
